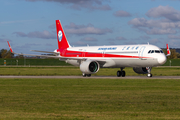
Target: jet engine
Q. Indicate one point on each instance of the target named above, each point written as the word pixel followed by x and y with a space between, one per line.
pixel 89 67
pixel 140 70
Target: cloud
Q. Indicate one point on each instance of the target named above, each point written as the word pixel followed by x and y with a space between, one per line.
pixel 18 21
pixel 167 21
pixel 162 26
pixel 130 43
pixel 144 37
pixel 85 29
pixel 20 34
pixel 174 43
pixel 121 38
pixel 122 13
pixel 154 41
pixel 174 36
pixel 83 43
pixel 53 26
pixel 44 35
pixel 164 11
pixel 79 4
pixel 4 40
pixel 25 46
pixel 162 23
pixel 3 35
pixel 89 39
pixel 155 31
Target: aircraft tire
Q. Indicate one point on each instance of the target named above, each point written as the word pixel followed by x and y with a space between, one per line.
pixel 119 73
pixel 84 75
pixel 149 75
pixel 88 75
pixel 123 73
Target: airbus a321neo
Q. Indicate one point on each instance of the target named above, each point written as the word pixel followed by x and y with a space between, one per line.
pixel 91 58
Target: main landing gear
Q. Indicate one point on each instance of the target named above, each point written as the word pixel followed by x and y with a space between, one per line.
pixel 121 73
pixel 84 75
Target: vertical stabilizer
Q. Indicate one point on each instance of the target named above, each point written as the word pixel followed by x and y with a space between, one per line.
pixel 61 37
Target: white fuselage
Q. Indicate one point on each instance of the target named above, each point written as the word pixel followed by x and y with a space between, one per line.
pixel 118 56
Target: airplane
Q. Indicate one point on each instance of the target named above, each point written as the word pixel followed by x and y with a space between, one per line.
pixel 91 58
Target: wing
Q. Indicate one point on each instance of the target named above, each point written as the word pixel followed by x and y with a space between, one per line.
pixel 102 62
pixel 43 51
pixel 48 56
pixel 55 54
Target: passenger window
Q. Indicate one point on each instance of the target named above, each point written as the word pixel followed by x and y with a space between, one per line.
pixel 149 51
pixel 123 48
pixel 152 51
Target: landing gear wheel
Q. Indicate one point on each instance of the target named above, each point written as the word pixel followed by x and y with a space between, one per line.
pixel 123 73
pixel 149 71
pixel 88 75
pixel 149 75
pixel 119 73
pixel 84 75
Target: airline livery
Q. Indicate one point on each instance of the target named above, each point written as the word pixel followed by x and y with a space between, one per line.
pixel 91 58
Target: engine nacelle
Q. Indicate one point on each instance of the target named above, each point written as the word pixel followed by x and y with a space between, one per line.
pixel 89 67
pixel 140 70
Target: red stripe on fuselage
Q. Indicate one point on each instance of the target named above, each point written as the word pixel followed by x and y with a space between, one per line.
pixel 68 53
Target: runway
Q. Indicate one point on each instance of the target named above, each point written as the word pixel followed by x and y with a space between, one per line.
pixel 94 77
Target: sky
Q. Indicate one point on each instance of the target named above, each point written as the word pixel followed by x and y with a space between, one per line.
pixel 30 24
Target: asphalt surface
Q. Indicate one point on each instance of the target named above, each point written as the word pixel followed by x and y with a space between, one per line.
pixel 95 77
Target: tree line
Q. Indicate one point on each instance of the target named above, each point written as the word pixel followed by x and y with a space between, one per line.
pixel 174 54
pixel 7 54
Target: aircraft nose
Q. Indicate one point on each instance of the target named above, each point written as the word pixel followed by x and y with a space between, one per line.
pixel 162 59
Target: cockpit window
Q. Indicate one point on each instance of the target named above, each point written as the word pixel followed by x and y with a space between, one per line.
pixel 155 51
pixel 152 51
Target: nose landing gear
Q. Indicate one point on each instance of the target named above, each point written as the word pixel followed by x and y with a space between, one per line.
pixel 149 71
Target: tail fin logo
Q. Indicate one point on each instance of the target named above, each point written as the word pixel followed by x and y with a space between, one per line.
pixel 60 35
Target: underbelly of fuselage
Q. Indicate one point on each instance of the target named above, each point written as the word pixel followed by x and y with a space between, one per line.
pixel 116 63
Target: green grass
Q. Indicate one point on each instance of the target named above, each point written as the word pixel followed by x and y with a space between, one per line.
pixel 33 62
pixel 36 71
pixel 57 62
pixel 89 99
pixel 172 62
